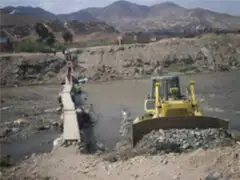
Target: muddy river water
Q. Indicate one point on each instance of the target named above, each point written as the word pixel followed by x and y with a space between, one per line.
pixel 218 93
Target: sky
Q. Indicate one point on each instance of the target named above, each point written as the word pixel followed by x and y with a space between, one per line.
pixel 67 6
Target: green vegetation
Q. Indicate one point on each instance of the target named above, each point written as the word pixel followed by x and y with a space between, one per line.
pixel 41 30
pixel 5 161
pixel 46 42
pixel 44 34
pixel 37 47
pixel 67 36
pixel 92 44
pixel 50 39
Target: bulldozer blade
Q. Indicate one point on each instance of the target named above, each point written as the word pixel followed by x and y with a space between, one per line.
pixel 189 122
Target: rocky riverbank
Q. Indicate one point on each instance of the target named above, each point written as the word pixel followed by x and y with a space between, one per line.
pixel 207 53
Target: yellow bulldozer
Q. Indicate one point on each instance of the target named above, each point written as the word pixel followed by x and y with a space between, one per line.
pixel 167 108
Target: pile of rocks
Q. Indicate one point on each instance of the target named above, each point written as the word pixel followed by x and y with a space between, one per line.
pixel 182 140
pixel 172 140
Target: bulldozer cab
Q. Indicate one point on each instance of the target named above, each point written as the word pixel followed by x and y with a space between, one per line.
pixel 170 87
pixel 169 90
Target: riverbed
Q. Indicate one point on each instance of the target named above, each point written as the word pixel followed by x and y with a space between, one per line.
pixel 218 93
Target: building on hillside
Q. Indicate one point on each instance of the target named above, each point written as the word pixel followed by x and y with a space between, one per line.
pixel 135 38
pixel 153 38
pixel 119 40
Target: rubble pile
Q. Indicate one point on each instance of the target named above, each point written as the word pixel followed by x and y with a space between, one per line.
pixel 167 141
pixel 182 140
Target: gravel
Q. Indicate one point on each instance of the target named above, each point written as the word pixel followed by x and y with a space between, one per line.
pixel 183 140
pixel 167 141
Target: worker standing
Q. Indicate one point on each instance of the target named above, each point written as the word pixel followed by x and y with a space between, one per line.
pixel 86 131
pixel 85 121
pixel 68 54
pixel 63 51
pixel 54 51
pixel 74 62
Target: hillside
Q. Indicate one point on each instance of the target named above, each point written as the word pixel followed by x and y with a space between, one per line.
pixel 80 16
pixel 16 20
pixel 160 20
pixel 21 26
pixel 36 12
pixel 127 16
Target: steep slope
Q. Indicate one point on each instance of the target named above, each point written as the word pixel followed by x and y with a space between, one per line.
pixel 30 11
pixel 215 20
pixel 231 7
pixel 81 15
pixel 123 9
pixel 166 10
pixel 16 20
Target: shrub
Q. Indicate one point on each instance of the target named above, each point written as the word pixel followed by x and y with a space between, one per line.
pixel 36 47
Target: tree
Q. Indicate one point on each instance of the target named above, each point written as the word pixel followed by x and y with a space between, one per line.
pixel 67 36
pixel 44 34
pixel 50 39
pixel 41 30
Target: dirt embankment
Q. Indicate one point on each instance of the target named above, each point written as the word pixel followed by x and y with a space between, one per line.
pixel 62 163
pixel 206 53
pixel 30 69
pixel 201 54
